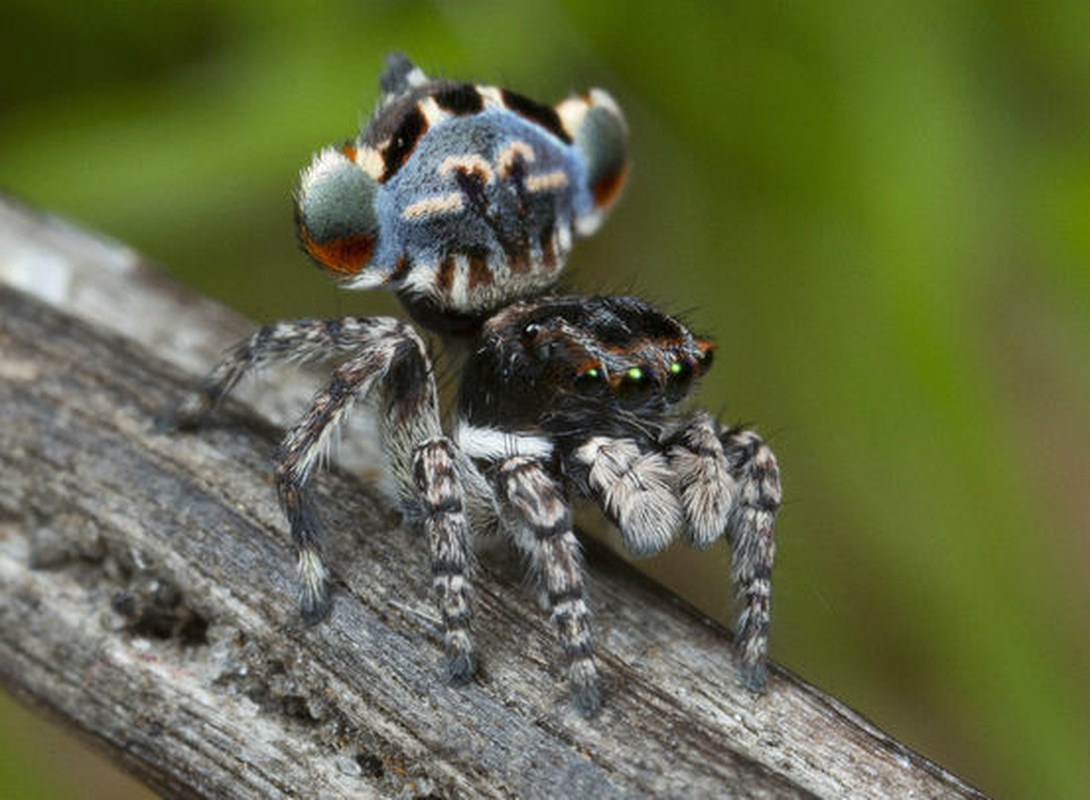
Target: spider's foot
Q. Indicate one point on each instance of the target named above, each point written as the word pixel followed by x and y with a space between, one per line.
pixel 176 419
pixel 583 679
pixel 314 609
pixel 461 662
pixel 460 667
pixel 315 600
pixel 188 415
pixel 754 674
pixel 166 422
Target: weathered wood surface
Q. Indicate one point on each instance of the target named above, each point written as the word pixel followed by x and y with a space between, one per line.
pixel 146 598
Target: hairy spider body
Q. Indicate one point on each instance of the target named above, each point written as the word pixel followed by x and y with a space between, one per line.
pixel 464 200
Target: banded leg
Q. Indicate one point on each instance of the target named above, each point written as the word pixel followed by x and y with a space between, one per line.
pixel 635 489
pixel 393 361
pixel 295 459
pixel 299 341
pixel 753 545
pixel 435 470
pixel 729 482
pixel 542 527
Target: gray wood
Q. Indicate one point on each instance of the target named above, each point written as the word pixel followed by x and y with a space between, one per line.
pixel 146 597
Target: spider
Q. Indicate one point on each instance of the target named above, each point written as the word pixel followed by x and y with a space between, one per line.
pixel 465 200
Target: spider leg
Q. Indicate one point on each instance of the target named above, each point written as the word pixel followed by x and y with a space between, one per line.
pixel 635 489
pixel 729 482
pixel 390 356
pixel 295 459
pixel 436 472
pixel 542 527
pixel 299 341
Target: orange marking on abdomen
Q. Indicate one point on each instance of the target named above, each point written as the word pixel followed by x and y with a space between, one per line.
pixel 608 187
pixel 479 273
pixel 344 257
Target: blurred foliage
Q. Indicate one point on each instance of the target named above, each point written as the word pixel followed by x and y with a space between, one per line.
pixel 881 211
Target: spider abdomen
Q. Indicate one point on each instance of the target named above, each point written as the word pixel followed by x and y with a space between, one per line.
pixel 461 198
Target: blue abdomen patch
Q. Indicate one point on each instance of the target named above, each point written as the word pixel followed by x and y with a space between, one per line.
pixel 459 197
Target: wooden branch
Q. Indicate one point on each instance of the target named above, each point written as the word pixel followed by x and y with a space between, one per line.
pixel 147 597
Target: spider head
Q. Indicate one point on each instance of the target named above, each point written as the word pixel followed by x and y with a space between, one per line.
pixel 568 365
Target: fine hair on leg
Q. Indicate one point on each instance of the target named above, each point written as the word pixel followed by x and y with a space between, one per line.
pixel 542 527
pixel 442 495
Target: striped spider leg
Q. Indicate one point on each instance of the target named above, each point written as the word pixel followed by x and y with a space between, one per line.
pixel 385 362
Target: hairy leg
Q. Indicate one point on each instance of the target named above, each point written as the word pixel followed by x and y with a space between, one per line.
pixel 297 341
pixel 542 527
pixel 753 545
pixel 729 483
pixel 435 470
pixel 389 356
pixel 295 459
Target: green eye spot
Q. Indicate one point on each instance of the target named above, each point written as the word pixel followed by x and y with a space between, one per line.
pixel 681 374
pixel 590 381
pixel 636 387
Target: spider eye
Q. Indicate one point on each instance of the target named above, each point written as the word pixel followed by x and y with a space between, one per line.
pixel 681 377
pixel 636 385
pixel 706 357
pixel 590 381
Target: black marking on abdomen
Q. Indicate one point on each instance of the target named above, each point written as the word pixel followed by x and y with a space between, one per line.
pixel 543 115
pixel 403 142
pixel 459 99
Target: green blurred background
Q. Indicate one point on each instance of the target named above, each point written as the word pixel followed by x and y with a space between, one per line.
pixel 881 212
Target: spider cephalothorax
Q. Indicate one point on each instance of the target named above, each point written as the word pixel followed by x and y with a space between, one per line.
pixel 568 364
pixel 464 200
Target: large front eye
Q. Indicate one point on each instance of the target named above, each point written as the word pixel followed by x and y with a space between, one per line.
pixel 591 381
pixel 635 386
pixel 679 380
